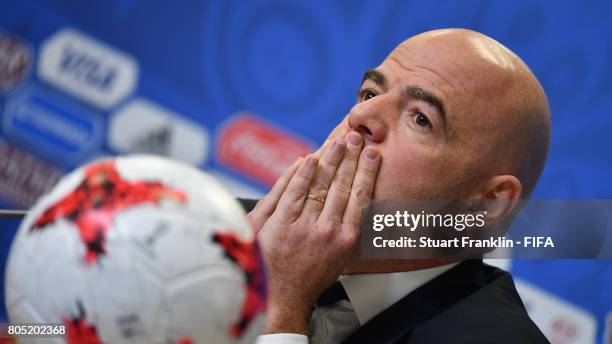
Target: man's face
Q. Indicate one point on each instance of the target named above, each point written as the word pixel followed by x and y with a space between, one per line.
pixel 454 115
pixel 421 109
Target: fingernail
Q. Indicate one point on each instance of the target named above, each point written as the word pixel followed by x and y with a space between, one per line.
pixel 371 153
pixel 311 161
pixel 354 139
pixel 337 144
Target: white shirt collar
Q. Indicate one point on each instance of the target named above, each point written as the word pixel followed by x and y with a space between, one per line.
pixel 371 294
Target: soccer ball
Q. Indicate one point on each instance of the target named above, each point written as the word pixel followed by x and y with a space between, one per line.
pixel 138 249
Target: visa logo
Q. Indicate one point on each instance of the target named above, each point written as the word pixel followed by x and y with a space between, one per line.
pixel 87 69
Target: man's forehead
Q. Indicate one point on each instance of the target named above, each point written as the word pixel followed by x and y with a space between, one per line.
pixel 458 88
pixel 431 62
pixel 462 49
pixel 454 65
pixel 437 76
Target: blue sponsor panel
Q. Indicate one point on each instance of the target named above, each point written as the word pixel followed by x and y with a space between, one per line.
pixel 55 129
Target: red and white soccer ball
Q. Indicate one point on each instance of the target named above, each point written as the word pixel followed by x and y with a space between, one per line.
pixel 138 249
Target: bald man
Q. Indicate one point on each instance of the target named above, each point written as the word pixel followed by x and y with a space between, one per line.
pixel 448 114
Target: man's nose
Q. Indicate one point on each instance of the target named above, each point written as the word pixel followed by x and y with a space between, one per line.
pixel 370 119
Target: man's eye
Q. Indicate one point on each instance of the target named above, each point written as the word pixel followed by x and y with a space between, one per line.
pixel 366 95
pixel 422 121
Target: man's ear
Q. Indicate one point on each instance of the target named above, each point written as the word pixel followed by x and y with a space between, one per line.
pixel 501 195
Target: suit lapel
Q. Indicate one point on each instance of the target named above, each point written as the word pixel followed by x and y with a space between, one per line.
pixel 422 304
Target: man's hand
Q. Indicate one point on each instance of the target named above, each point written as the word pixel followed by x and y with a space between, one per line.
pixel 265 206
pixel 307 243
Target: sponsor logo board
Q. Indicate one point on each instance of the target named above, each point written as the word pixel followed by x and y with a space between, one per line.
pixel 258 149
pixel 51 127
pixel 145 127
pixel 560 321
pixel 88 69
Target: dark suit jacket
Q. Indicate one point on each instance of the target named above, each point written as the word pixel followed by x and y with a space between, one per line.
pixel 471 303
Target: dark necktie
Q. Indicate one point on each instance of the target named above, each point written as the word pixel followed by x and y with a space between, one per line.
pixel 331 295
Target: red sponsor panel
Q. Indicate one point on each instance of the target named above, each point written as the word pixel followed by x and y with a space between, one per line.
pixel 258 149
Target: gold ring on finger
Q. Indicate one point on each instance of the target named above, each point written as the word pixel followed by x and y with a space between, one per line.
pixel 316 198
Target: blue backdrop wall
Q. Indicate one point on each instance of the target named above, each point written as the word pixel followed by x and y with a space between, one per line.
pixel 221 84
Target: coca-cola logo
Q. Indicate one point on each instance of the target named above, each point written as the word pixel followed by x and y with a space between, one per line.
pixel 258 149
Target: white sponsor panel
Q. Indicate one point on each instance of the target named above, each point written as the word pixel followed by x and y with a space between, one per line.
pixel 88 69
pixel 560 321
pixel 144 127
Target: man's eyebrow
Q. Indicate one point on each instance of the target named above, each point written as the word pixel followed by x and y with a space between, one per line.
pixel 376 76
pixel 420 93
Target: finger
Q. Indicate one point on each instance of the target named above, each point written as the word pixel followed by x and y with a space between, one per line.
pixel 328 164
pixel 321 150
pixel 291 201
pixel 338 132
pixel 268 203
pixel 265 207
pixel 340 189
pixel 363 186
